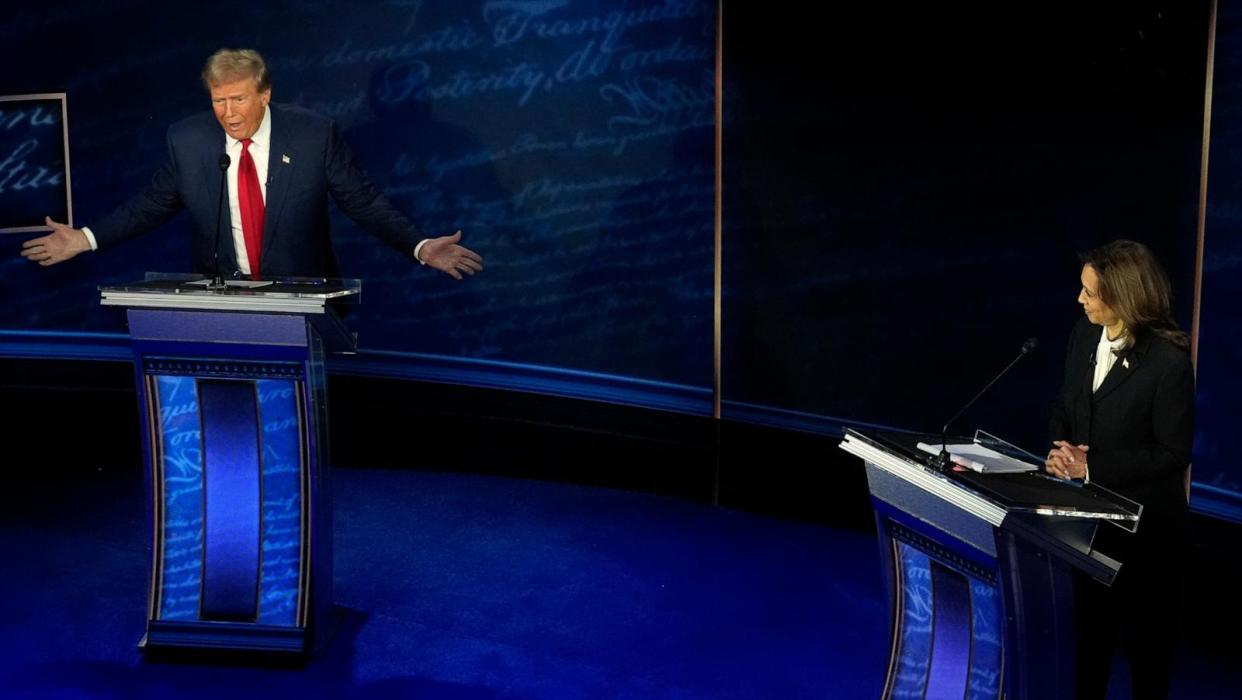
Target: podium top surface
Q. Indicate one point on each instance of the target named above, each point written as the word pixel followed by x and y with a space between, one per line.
pixel 992 495
pixel 304 295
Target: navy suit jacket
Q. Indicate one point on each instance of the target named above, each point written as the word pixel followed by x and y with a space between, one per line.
pixel 308 162
pixel 1139 424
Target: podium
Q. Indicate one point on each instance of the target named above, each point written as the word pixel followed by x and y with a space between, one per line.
pixel 979 570
pixel 233 413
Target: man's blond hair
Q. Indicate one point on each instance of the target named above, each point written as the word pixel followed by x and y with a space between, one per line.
pixel 229 65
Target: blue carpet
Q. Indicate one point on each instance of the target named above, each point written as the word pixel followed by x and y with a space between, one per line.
pixel 467 587
pixel 455 587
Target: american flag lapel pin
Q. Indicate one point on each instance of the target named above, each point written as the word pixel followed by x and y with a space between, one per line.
pixel 285 159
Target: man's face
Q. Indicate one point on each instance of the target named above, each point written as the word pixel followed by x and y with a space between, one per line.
pixel 239 106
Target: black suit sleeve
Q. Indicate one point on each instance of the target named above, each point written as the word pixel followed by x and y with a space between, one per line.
pixel 1172 430
pixel 1061 423
pixel 150 209
pixel 360 200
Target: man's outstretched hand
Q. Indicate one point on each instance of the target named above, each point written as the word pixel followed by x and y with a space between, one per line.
pixel 445 255
pixel 59 245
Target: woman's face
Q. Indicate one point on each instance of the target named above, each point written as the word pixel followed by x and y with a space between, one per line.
pixel 1097 311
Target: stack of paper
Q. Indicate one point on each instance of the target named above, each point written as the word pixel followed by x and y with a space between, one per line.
pixel 981 459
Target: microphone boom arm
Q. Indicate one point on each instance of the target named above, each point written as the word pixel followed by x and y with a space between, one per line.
pixel 943 458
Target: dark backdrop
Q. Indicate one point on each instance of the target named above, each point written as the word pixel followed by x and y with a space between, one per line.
pixel 907 188
pixel 906 185
pixel 1217 474
pixel 571 141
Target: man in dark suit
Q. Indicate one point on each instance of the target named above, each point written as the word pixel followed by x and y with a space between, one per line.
pixel 283 163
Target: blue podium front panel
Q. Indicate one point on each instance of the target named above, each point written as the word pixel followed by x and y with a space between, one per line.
pixel 180 565
pixel 231 500
pixel 229 484
pixel 282 573
pixel 987 650
pixel 233 402
pixel 914 625
pixel 947 619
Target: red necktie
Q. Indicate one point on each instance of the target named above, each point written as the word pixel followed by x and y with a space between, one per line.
pixel 250 199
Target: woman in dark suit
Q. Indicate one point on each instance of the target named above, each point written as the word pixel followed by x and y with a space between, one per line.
pixel 1125 420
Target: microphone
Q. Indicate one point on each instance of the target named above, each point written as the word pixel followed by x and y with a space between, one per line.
pixel 943 460
pixel 217 282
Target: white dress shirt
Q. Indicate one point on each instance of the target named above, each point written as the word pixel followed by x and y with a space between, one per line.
pixel 260 147
pixel 1105 358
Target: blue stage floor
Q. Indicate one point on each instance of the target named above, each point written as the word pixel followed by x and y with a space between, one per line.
pixel 456 587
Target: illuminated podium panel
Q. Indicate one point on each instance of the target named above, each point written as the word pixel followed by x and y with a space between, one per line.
pixel 979 570
pixel 233 406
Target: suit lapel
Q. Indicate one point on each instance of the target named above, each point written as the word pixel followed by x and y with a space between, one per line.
pixel 278 177
pixel 1124 368
pixel 1083 400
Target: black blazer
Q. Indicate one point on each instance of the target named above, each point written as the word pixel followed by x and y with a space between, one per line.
pixel 1139 424
pixel 308 161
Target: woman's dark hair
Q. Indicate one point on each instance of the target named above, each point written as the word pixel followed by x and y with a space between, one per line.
pixel 1134 285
